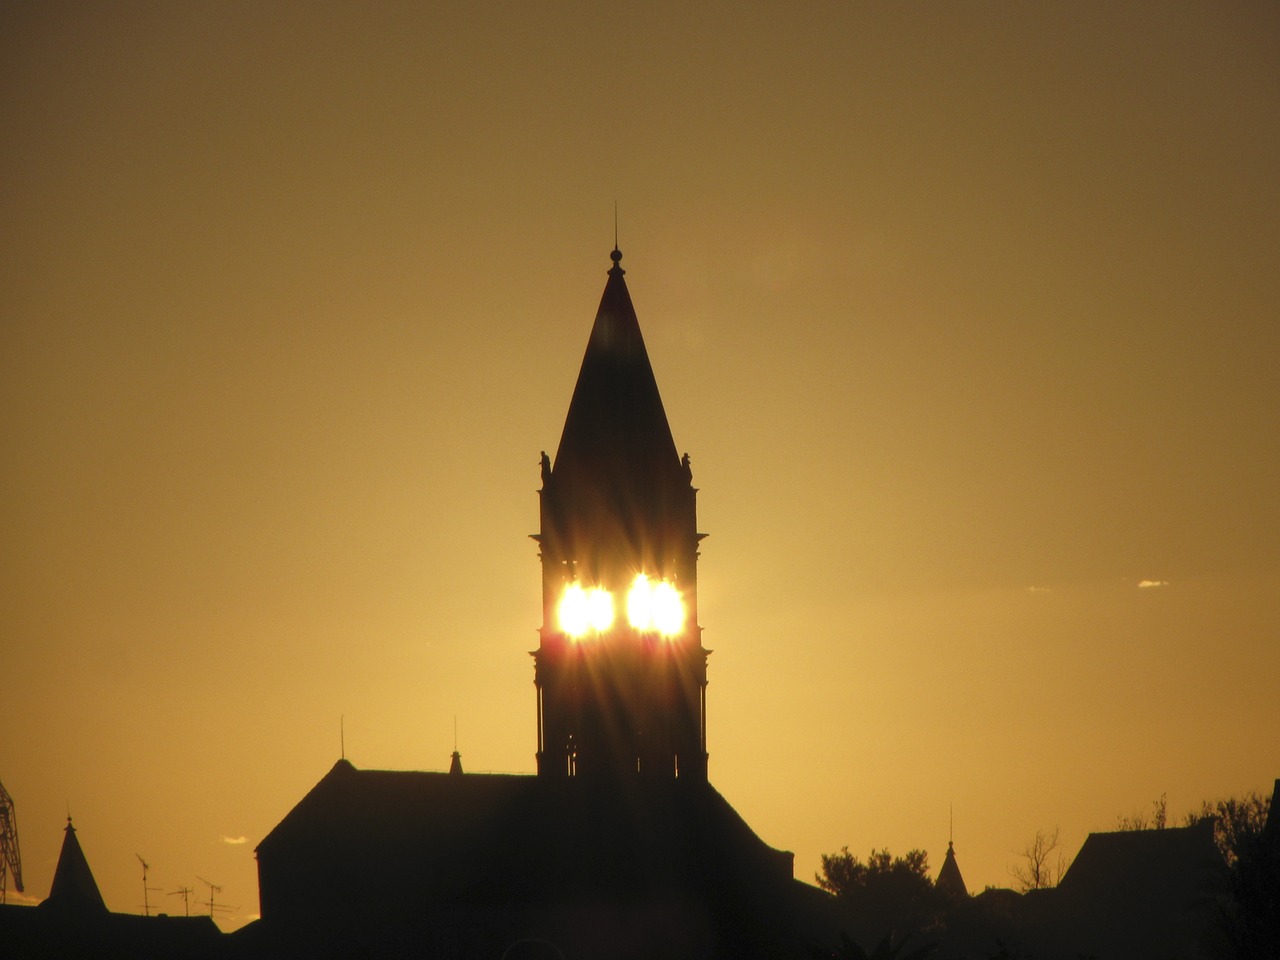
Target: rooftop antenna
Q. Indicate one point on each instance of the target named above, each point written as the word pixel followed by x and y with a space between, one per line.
pixel 146 902
pixel 213 889
pixel 185 894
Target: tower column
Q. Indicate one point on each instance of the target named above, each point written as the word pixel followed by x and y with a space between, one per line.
pixel 620 670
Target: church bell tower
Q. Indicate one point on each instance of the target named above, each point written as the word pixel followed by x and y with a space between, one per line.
pixel 620 671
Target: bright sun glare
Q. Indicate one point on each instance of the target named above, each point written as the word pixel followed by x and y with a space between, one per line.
pixel 583 610
pixel 651 607
pixel 654 606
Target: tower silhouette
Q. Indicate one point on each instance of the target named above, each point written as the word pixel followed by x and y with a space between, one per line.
pixel 620 671
pixel 619 846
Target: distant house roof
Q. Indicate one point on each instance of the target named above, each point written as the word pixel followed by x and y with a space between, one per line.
pixel 1145 864
pixel 1138 893
pixel 1272 828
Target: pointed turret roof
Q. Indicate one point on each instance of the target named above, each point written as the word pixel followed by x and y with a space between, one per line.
pixel 949 879
pixel 616 427
pixel 74 888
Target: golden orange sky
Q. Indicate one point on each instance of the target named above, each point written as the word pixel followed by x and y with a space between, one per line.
pixel 965 312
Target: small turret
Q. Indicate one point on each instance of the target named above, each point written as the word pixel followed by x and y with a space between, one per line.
pixel 949 880
pixel 74 890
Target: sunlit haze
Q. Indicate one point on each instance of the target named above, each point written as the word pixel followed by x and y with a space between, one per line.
pixel 966 314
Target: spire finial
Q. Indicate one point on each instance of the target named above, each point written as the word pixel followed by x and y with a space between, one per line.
pixel 616 255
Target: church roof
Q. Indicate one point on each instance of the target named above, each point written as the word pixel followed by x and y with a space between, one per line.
pixel 616 425
pixel 393 839
pixel 74 888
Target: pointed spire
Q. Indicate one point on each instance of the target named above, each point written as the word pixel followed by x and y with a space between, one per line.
pixel 74 889
pixel 455 764
pixel 949 879
pixel 616 427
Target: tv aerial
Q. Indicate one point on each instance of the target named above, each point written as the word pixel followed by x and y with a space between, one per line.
pixel 185 894
pixel 146 902
pixel 214 890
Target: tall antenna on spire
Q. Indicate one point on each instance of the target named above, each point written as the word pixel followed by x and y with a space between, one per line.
pixel 342 736
pixel 615 224
pixel 951 825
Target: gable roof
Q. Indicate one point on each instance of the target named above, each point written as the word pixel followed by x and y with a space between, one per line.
pixel 1171 864
pixel 391 842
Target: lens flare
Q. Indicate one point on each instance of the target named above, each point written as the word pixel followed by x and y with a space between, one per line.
pixel 640 603
pixel 572 610
pixel 599 609
pixel 583 611
pixel 655 607
pixel 668 609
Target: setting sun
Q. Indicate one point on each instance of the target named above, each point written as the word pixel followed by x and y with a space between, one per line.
pixel 965 314
pixel 581 611
pixel 655 606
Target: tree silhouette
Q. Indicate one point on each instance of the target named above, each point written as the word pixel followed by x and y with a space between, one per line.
pixel 1251 917
pixel 1158 821
pixel 886 897
pixel 1043 863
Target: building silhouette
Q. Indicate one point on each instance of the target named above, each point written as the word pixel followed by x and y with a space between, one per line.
pixel 618 525
pixel 73 923
pixel 949 879
pixel 74 890
pixel 618 846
